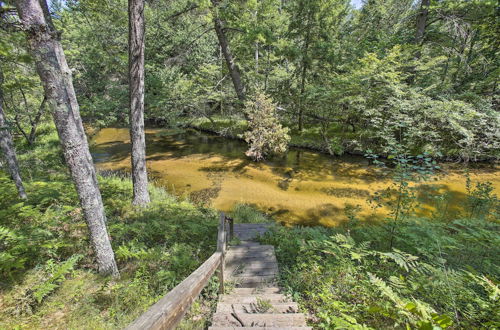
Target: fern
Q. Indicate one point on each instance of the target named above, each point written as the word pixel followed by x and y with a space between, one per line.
pixel 57 273
pixel 402 259
pixel 416 312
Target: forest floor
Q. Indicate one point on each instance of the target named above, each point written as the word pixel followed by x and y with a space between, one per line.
pixel 46 260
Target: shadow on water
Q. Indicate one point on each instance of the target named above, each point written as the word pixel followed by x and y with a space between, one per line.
pixel 302 187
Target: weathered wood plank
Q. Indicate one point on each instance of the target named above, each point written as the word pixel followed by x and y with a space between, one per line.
pixel 168 312
pixel 236 273
pixel 246 260
pixel 259 320
pixel 221 247
pixel 255 291
pixel 255 255
pixel 255 265
pixel 252 299
pixel 251 248
pixel 260 328
pixel 281 308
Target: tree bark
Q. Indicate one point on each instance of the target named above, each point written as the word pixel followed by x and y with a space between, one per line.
pixel 303 77
pixel 136 95
pixel 55 75
pixel 234 71
pixel 7 147
pixel 421 24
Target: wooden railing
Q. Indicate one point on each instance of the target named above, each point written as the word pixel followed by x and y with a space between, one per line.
pixel 169 310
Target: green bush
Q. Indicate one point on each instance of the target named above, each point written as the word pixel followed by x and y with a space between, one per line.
pixel 436 275
pixel 45 256
pixel 244 213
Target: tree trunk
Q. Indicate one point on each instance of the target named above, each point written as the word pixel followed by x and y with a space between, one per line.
pixel 303 77
pixel 234 71
pixel 421 24
pixel 8 147
pixel 55 75
pixel 136 94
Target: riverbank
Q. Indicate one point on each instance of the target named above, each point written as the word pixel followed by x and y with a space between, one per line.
pixel 309 139
pixel 422 272
pixel 335 142
pixel 299 188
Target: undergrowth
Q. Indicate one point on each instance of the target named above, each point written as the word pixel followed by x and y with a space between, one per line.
pixel 437 274
pixel 46 262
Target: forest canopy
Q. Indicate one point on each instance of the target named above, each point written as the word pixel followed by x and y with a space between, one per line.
pixel 422 74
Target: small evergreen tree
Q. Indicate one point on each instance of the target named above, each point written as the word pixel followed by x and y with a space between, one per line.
pixel 266 136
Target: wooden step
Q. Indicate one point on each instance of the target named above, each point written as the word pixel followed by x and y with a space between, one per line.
pixel 254 281
pixel 260 328
pixel 250 272
pixel 252 248
pixel 248 236
pixel 258 254
pixel 243 226
pixel 238 260
pixel 247 243
pixel 252 299
pixel 259 320
pixel 262 306
pixel 254 265
pixel 255 291
pixel 250 252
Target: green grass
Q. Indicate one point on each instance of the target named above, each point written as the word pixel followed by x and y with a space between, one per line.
pixel 46 263
pixel 245 213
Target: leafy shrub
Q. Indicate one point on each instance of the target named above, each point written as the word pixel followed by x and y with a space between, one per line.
pixel 44 239
pixel 425 280
pixel 265 136
pixel 39 283
pixel 245 213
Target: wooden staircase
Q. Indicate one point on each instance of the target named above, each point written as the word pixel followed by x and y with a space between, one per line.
pixel 256 300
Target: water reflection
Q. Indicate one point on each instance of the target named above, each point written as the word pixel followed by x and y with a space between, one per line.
pixel 301 187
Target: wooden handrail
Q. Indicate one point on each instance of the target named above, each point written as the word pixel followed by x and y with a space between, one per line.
pixel 170 309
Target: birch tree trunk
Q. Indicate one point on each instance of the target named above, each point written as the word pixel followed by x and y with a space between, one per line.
pixel 7 147
pixel 136 95
pixel 234 71
pixel 55 75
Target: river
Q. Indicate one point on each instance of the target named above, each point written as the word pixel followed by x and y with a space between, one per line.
pixel 302 187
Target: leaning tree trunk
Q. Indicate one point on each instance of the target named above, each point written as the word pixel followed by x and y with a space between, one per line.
pixel 234 71
pixel 421 24
pixel 136 94
pixel 303 76
pixel 7 147
pixel 55 75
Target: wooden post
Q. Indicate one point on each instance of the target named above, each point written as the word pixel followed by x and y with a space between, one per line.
pixel 221 247
pixel 231 228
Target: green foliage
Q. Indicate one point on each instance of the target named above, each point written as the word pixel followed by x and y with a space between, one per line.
pixel 39 283
pixel 400 198
pixel 265 136
pixel 352 281
pixel 45 256
pixel 244 213
pixel 482 203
